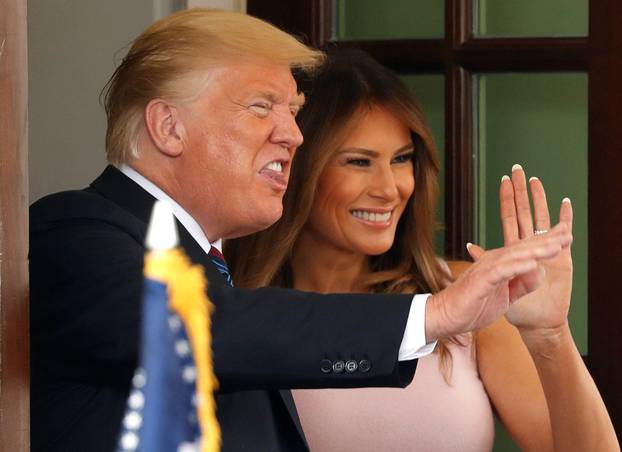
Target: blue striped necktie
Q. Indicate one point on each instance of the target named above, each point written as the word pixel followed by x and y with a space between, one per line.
pixel 219 261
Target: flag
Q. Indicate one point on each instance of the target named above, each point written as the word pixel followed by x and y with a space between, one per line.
pixel 171 407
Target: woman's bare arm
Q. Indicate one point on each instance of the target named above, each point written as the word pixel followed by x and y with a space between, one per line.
pixel 577 414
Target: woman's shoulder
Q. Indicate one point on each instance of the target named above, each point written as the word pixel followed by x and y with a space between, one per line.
pixel 452 269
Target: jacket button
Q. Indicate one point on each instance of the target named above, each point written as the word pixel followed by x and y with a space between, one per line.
pixel 364 365
pixel 338 366
pixel 351 366
pixel 326 366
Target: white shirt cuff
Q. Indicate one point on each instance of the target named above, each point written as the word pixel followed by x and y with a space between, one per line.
pixel 413 344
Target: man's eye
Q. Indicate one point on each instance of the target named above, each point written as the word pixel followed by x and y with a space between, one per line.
pixel 358 162
pixel 403 158
pixel 294 111
pixel 262 109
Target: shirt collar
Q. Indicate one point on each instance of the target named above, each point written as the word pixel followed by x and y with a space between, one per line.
pixel 180 213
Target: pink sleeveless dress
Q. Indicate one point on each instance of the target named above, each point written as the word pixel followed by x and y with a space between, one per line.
pixel 429 415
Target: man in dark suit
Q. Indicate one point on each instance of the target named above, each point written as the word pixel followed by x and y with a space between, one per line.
pixel 201 113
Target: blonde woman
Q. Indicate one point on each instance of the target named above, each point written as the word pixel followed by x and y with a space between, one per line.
pixel 359 217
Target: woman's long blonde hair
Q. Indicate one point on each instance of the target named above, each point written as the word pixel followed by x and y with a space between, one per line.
pixel 339 94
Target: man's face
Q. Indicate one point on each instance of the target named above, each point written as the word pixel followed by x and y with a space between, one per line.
pixel 240 138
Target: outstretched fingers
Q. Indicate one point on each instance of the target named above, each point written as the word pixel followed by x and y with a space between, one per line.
pixel 542 218
pixel 501 265
pixel 475 251
pixel 523 256
pixel 521 200
pixel 517 220
pixel 566 213
pixel 544 246
pixel 507 209
pixel 565 217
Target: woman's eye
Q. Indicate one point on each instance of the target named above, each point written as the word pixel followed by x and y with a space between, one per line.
pixel 403 158
pixel 358 162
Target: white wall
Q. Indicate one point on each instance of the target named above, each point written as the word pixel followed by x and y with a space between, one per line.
pixel 72 49
pixel 230 5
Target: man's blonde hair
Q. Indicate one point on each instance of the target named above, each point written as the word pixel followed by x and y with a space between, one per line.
pixel 179 45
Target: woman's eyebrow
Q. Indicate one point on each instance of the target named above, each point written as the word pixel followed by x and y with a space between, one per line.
pixel 407 147
pixel 367 152
pixel 372 153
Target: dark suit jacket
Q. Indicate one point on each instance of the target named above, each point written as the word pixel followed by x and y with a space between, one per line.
pixel 86 257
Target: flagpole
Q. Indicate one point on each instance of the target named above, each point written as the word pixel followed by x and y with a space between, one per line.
pixel 171 403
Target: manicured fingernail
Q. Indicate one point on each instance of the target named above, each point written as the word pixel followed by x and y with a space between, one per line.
pixel 469 245
pixel 505 177
pixel 566 200
pixel 532 178
pixel 516 167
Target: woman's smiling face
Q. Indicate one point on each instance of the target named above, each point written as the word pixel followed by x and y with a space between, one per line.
pixel 366 186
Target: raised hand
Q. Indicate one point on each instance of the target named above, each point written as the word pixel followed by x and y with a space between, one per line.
pixel 578 418
pixel 497 278
pixel 547 307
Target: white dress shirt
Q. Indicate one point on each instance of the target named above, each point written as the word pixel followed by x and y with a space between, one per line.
pixel 413 343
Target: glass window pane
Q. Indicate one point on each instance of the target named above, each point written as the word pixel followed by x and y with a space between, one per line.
pixel 429 90
pixel 535 18
pixel 539 121
pixel 389 19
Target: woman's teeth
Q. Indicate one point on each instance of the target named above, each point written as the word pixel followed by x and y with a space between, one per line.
pixel 275 166
pixel 371 216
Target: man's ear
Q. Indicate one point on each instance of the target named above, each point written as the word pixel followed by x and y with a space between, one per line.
pixel 165 127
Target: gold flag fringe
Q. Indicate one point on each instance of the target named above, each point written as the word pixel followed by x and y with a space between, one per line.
pixel 187 289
